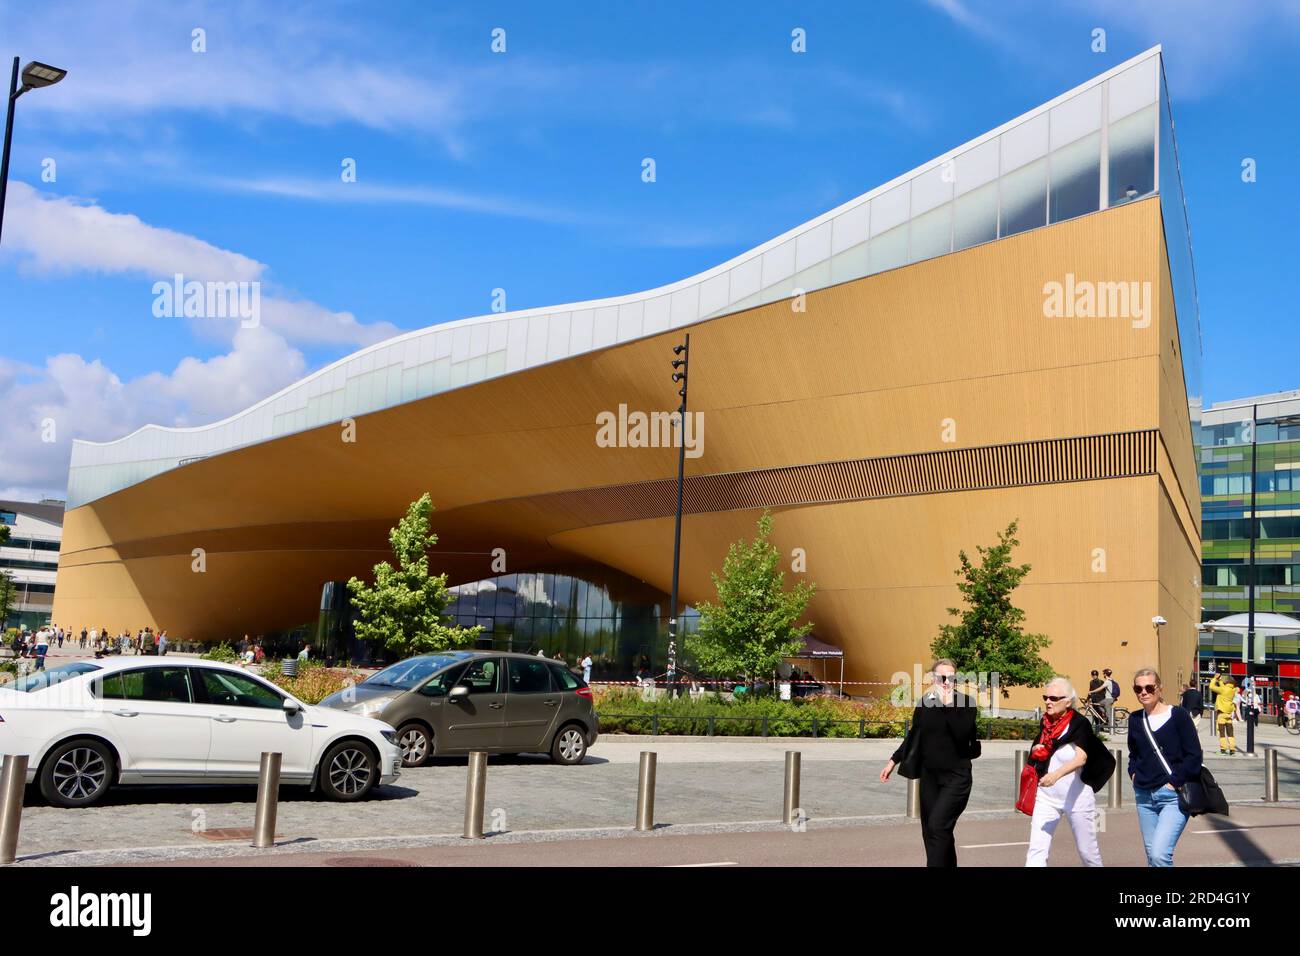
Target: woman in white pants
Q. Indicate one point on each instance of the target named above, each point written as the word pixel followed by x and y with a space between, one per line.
pixel 1072 764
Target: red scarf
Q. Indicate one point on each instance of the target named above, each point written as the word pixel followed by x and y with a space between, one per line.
pixel 1053 729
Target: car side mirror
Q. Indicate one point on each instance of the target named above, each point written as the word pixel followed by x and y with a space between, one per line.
pixel 457 692
pixel 291 707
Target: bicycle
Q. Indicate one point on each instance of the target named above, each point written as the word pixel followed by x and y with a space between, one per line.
pixel 1292 723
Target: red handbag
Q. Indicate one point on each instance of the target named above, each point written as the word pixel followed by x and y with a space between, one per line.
pixel 1028 790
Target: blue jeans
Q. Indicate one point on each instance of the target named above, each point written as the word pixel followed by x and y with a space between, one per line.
pixel 1161 822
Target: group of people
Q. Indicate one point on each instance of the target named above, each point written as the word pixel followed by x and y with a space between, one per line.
pixel 1068 759
pixel 36 645
pixel 586 663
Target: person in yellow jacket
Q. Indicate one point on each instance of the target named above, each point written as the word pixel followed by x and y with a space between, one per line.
pixel 1223 690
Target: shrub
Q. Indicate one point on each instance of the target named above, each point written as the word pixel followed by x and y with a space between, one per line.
pixel 315 681
pixel 222 652
pixel 623 710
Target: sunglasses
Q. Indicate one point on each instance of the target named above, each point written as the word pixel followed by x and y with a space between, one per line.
pixel 1053 699
pixel 946 678
pixel 1144 688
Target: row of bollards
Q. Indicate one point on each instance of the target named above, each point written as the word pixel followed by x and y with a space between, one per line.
pixel 13 779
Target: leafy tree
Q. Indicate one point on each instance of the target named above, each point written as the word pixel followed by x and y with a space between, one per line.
pixel 404 608
pixel 989 638
pixel 4 533
pixel 7 594
pixel 753 624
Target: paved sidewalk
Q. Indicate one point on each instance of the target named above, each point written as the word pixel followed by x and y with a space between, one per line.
pixel 701 782
pixel 1258 836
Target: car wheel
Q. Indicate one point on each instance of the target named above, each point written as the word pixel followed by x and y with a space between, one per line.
pixel 417 744
pixel 349 771
pixel 570 745
pixel 77 773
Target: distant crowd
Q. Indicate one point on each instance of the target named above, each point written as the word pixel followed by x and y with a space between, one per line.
pixel 36 645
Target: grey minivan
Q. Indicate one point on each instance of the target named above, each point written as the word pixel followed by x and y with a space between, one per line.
pixel 454 702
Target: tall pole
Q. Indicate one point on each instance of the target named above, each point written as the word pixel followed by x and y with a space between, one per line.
pixel 9 135
pixel 682 376
pixel 1250 585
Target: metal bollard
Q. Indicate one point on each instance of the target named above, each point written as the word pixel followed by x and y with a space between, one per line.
pixel 475 793
pixel 1022 757
pixel 645 792
pixel 268 797
pixel 790 805
pixel 1270 775
pixel 913 799
pixel 1115 789
pixel 13 780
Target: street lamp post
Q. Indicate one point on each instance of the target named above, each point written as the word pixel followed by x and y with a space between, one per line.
pixel 681 366
pixel 1252 703
pixel 35 75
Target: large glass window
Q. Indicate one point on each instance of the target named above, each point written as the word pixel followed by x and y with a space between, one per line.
pixel 1076 178
pixel 1024 198
pixel 1132 144
pixel 975 217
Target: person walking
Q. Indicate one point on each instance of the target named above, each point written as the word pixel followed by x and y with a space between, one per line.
pixel 1224 690
pixel 1192 702
pixel 939 747
pixel 586 669
pixel 1096 701
pixel 41 647
pixel 1164 752
pixel 1072 764
pixel 162 644
pixel 304 655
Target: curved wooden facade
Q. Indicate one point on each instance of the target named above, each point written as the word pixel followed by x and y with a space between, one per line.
pixel 895 420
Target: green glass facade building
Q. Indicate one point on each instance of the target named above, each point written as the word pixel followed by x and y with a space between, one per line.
pixel 1268 425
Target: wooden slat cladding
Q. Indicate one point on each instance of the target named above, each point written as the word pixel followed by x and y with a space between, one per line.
pixel 1118 455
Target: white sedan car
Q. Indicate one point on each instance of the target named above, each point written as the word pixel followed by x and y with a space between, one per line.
pixel 88 725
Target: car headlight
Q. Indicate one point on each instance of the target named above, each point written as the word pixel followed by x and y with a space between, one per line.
pixel 373 707
pixel 390 736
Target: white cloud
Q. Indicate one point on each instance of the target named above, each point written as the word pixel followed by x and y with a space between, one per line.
pixel 62 235
pixel 72 397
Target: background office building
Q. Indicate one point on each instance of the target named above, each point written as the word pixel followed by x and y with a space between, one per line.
pixel 889 379
pixel 1225 449
pixel 31 558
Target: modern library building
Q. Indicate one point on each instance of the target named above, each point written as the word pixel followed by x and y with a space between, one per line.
pixel 1007 332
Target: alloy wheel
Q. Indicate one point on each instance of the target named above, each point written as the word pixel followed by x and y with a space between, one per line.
pixel 80 773
pixel 349 771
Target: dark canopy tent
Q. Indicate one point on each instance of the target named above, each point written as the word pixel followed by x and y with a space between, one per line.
pixel 814 648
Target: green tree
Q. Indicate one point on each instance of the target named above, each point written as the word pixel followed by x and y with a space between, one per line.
pixel 7 593
pixel 404 608
pixel 989 638
pixel 753 624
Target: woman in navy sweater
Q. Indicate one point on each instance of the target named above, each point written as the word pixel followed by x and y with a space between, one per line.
pixel 1158 771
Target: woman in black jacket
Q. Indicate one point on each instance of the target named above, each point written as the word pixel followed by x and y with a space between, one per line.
pixel 1164 752
pixel 1072 764
pixel 938 748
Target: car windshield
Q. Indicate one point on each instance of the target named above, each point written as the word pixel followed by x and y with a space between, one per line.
pixel 409 674
pixel 48 678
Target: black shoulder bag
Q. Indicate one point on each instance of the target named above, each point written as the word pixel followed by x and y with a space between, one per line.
pixel 1202 795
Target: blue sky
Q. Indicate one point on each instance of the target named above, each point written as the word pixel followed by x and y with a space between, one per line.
pixel 522 170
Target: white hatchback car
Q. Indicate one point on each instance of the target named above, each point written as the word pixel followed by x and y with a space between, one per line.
pixel 87 725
